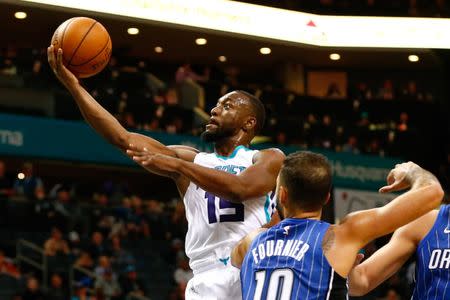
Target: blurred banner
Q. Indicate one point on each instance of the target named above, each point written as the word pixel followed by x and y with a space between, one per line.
pixel 272 23
pixel 347 201
pixel 29 137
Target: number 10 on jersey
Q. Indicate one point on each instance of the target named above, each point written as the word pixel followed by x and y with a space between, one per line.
pixel 236 216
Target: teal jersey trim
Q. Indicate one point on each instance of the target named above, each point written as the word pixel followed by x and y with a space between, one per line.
pixel 266 208
pixel 233 154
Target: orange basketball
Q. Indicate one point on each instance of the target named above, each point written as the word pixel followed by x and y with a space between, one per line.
pixel 86 45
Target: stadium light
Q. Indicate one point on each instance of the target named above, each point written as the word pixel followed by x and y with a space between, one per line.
pixel 20 15
pixel 201 41
pixel 265 50
pixel 335 56
pixel 159 49
pixel 222 58
pixel 413 58
pixel 133 31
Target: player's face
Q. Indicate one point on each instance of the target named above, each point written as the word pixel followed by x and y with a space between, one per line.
pixel 227 117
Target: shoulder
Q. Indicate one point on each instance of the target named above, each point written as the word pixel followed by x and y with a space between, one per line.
pixel 270 154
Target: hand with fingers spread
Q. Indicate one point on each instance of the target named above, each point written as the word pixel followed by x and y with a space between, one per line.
pixel 64 75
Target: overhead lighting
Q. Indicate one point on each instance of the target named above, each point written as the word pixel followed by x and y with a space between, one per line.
pixel 133 31
pixel 413 58
pixel 265 50
pixel 335 56
pixel 222 58
pixel 21 176
pixel 201 41
pixel 20 15
pixel 159 49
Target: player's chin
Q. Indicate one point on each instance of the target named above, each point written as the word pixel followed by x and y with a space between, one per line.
pixel 209 135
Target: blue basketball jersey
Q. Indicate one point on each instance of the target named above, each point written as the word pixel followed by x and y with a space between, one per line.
pixel 287 262
pixel 433 260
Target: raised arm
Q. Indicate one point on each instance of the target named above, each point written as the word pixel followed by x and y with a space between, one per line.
pixel 101 120
pixel 425 194
pixel 255 181
pixel 389 259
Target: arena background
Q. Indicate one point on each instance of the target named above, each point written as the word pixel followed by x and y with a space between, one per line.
pixel 62 184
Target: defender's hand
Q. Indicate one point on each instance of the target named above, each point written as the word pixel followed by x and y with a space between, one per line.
pixel 400 177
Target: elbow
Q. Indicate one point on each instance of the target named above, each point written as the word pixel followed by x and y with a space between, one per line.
pixel 437 192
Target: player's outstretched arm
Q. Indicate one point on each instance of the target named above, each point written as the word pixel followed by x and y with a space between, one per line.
pixel 257 180
pixel 425 194
pixel 101 120
pixel 388 260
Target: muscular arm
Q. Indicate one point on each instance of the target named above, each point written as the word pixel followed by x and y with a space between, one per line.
pixel 357 229
pixel 255 181
pixel 106 124
pixel 425 194
pixel 388 260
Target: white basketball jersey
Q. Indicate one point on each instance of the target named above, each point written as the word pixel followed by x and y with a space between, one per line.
pixel 216 225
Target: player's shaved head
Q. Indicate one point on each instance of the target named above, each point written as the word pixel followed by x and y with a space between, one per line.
pixel 307 177
pixel 256 109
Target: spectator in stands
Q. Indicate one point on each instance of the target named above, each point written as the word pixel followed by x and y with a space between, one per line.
pixel 120 257
pixel 191 93
pixel 30 185
pixel 156 220
pixel 351 146
pixel 104 265
pixel 56 245
pixel 403 122
pixel 8 68
pixel 183 273
pixel 387 91
pixel 107 287
pixel 410 92
pixel 333 91
pixel 363 92
pixel 6 186
pixel 7 266
pixel 131 284
pixel 57 290
pixel 33 290
pixel 81 290
pixel 75 243
pixel 84 261
pixel 96 247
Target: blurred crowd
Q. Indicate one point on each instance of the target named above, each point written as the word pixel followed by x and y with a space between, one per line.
pixel 105 248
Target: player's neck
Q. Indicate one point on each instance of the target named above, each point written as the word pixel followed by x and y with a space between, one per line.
pixel 226 146
pixel 314 215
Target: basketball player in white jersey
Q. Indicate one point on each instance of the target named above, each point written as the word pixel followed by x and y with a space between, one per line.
pixel 226 193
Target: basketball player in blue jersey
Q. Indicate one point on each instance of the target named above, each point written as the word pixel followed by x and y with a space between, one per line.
pixel 429 238
pixel 227 194
pixel 305 258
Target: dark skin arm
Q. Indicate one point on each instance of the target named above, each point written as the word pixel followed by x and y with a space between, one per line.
pixel 107 125
pixel 257 180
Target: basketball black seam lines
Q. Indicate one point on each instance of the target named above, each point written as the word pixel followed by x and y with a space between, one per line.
pixel 81 42
pixel 89 60
pixel 64 32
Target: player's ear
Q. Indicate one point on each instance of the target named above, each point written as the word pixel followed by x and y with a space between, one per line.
pixel 328 198
pixel 282 195
pixel 249 124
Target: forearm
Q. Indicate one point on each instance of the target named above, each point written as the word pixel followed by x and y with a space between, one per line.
pixel 219 183
pixel 98 117
pixel 108 126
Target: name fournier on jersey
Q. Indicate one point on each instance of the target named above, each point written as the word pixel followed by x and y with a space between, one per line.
pixel 295 249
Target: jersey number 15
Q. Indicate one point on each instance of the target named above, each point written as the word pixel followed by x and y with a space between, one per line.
pixel 237 216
